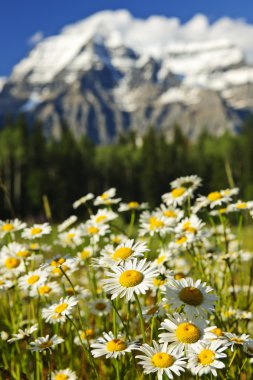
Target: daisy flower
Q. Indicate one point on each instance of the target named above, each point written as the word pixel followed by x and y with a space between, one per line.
pixel 205 358
pixel 59 311
pixel 131 278
pixel 129 249
pixel 64 374
pixel 45 343
pixel 160 360
pixel 23 334
pixel 215 198
pixel 190 182
pixel 177 196
pixel 94 231
pixel 183 332
pixel 241 206
pixel 11 264
pixel 172 215
pixel 33 279
pixel 71 238
pixel 46 289
pixel 233 340
pixel 36 231
pixel 103 216
pixel 100 307
pixel 5 283
pixel 58 264
pixel 132 206
pixel 107 198
pixel 67 223
pixel 192 225
pixel 194 296
pixel 152 223
pixel 10 226
pixel 111 346
pixel 82 200
pixel 85 254
pixel 17 249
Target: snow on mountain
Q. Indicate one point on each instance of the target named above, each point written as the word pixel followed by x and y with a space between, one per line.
pixel 112 71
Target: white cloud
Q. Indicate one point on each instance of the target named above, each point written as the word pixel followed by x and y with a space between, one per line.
pixel 157 33
pixel 36 38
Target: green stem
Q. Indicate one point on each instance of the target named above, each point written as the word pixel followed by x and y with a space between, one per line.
pixel 141 318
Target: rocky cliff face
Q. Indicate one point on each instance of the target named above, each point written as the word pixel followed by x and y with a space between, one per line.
pixel 103 83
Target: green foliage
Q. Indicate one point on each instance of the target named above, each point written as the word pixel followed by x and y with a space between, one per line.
pixel 32 166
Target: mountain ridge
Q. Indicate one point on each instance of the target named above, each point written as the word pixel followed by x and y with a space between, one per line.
pixel 100 85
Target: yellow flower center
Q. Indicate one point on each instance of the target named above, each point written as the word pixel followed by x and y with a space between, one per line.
pixel 217 331
pixel 179 275
pixel 34 246
pixel 36 231
pixel 88 333
pixel 155 223
pixel 100 218
pixel 158 282
pixel 70 237
pixel 237 340
pixel 57 271
pixel 24 253
pixel 181 240
pixel 92 230
pixel 133 205
pixel 60 308
pixel 214 196
pixel 44 289
pixel 55 263
pixel 7 227
pixel 162 360
pixel 206 357
pixel 11 263
pixel 61 376
pixel 116 345
pixel 122 253
pixel 176 193
pixel 130 278
pixel 169 214
pixel 223 210
pixel 241 205
pixel 33 279
pixel 85 254
pixel 187 227
pixel 100 306
pixel 188 333
pixel 105 196
pixel 160 259
pixel 116 239
pixel 46 344
pixel 191 296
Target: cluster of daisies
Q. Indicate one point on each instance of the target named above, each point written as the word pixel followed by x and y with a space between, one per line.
pixel 165 293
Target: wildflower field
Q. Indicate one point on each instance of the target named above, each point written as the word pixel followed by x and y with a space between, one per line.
pixel 128 292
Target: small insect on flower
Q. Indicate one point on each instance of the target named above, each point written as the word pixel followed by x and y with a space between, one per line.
pixel 134 277
pixel 58 312
pixel 184 332
pixel 205 358
pixel 159 359
pixel 112 346
pixel 193 295
pixel 64 374
pixel 36 231
pixel 45 343
pixel 23 334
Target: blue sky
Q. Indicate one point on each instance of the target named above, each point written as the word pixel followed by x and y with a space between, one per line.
pixel 19 20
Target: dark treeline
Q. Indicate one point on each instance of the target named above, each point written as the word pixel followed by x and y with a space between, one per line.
pixel 32 166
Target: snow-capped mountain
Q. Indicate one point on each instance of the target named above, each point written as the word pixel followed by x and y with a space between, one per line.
pixel 111 72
